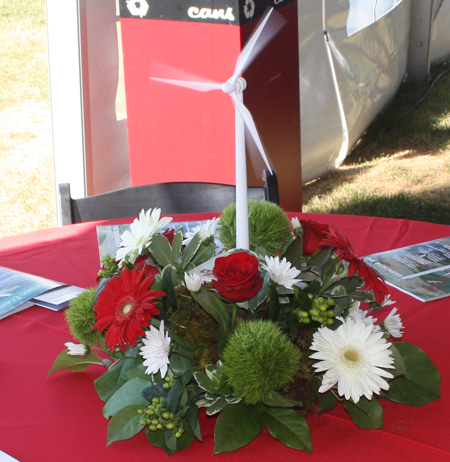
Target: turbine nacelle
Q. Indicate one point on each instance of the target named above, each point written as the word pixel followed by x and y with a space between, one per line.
pixel 234 86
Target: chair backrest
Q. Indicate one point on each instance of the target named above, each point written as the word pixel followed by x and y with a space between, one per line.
pixel 171 198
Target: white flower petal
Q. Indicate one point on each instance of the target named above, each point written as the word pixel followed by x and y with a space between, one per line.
pixel 354 358
pixel 156 350
pixel 76 349
pixel 193 282
pixel 295 223
pixel 281 272
pixel 356 314
pixel 139 237
pixel 393 324
pixel 206 230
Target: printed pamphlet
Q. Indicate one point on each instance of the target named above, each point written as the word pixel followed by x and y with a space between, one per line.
pixel 21 290
pixel 421 270
pixel 109 236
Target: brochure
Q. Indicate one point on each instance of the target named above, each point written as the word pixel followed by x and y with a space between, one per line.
pixel 21 290
pixel 5 458
pixel 421 270
pixel 109 236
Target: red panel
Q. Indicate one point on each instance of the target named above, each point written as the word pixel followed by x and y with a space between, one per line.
pixel 178 134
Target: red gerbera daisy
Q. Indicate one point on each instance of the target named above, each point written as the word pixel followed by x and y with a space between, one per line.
pixel 124 307
pixel 343 248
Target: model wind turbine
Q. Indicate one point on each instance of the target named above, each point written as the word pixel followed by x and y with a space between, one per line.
pixel 234 87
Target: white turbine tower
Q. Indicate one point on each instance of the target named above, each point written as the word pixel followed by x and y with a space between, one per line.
pixel 269 26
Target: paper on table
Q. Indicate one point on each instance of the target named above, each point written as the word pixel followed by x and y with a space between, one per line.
pixel 19 291
pixel 109 236
pixel 58 298
pixel 5 458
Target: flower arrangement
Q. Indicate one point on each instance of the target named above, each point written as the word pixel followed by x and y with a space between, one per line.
pixel 261 338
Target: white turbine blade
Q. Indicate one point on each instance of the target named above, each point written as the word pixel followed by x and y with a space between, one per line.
pixel 168 74
pixel 267 28
pixel 199 86
pixel 250 124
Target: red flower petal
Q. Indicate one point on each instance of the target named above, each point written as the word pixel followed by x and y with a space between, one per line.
pixel 124 307
pixel 237 276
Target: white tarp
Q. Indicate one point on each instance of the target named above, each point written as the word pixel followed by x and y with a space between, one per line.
pixel 440 32
pixel 353 57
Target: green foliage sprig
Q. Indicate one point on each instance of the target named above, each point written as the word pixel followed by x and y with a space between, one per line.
pixel 269 227
pixel 258 360
pixel 81 317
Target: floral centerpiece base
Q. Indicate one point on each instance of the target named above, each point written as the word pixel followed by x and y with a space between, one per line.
pixel 261 337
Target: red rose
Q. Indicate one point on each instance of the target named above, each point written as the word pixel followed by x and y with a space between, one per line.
pixel 313 235
pixel 238 277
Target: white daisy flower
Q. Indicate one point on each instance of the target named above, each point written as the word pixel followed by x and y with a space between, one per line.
pixel 295 223
pixel 140 234
pixel 281 272
pixel 156 350
pixel 357 314
pixel 354 358
pixel 206 231
pixel 387 301
pixel 193 282
pixel 393 324
pixel 76 349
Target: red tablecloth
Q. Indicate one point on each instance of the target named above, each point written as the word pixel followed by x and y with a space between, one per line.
pixel 59 419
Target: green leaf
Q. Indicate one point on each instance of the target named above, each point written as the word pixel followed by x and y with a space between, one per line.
pixel 289 427
pixel 281 401
pixel 174 396
pixel 158 439
pixel 170 300
pixel 327 400
pixel 302 297
pixel 205 383
pixel 365 414
pixel 421 383
pixel 171 440
pixel 237 425
pixel 177 243
pixel 192 419
pixel 319 258
pixel 74 363
pixel 400 367
pixel 166 439
pixel 179 364
pixel 214 381
pixel 217 406
pixel 125 424
pixel 186 438
pixel 363 297
pixel 190 250
pixel 205 253
pixel 274 304
pixel 139 371
pixel 294 253
pixel 215 307
pixel 155 391
pixel 130 393
pixel 108 383
pixel 161 250
pixel 262 294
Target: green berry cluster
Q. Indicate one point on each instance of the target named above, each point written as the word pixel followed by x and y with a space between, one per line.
pixel 157 417
pixel 168 382
pixel 321 311
pixel 109 267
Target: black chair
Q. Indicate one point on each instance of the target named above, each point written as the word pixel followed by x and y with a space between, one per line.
pixel 171 198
